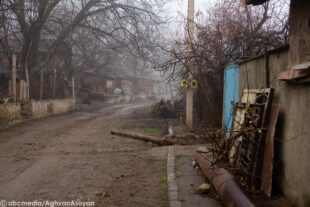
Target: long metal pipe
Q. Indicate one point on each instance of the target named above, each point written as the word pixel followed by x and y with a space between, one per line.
pixel 223 182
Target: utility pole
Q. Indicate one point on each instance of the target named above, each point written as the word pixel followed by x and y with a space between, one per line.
pixel 190 90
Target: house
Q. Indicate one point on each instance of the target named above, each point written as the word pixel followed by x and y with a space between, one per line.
pixel 61 62
pixel 287 70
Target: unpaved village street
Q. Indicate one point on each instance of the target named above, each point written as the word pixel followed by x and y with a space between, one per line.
pixel 74 157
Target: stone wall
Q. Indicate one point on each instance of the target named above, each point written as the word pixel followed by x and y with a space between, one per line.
pixel 291 171
pixel 45 108
pixel 10 114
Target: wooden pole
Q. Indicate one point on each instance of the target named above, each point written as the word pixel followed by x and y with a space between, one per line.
pixel 189 108
pixel 73 87
pixel 41 83
pixel 27 81
pixel 54 84
pixel 14 76
pixel 189 90
pixel 160 141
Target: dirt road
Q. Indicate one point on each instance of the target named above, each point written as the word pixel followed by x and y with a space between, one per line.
pixel 74 157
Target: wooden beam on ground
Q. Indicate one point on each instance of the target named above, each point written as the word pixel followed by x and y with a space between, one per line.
pixel 159 141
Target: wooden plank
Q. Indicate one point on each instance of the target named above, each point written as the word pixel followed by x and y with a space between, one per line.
pixel 293 74
pixel 266 182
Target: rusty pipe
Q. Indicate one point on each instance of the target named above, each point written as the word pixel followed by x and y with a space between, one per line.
pixel 223 182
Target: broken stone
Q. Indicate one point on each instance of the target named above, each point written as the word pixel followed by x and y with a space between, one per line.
pixel 99 193
pixel 194 164
pixel 203 188
pixel 203 150
pixel 43 191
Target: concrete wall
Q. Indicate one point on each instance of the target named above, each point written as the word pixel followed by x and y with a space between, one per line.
pixel 10 114
pixel 292 165
pixel 299 31
pixel 51 107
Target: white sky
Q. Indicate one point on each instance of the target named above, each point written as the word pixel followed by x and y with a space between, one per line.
pixel 180 6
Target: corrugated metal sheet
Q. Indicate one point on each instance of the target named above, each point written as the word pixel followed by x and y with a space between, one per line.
pixel 231 94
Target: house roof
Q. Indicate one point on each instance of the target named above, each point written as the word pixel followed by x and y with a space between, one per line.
pixel 272 51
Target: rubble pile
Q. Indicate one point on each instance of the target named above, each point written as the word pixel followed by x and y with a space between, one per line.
pixel 165 109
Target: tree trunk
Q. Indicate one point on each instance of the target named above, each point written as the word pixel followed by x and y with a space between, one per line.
pixel 27 82
pixel 73 87
pixel 21 90
pixel 41 83
pixel 54 84
pixel 14 76
pixel 10 87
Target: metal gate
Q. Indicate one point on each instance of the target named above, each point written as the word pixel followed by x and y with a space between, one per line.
pixel 231 94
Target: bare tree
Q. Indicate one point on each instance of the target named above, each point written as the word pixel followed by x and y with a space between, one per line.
pixel 228 32
pixel 110 24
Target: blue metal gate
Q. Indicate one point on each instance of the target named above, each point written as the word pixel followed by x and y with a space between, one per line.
pixel 231 93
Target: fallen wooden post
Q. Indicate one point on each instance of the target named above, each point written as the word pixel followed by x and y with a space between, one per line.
pixel 223 182
pixel 160 141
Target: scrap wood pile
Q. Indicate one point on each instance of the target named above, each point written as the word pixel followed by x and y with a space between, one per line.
pixel 169 109
pixel 165 109
pixel 246 156
pixel 8 99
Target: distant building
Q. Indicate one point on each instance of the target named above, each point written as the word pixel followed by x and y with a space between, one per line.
pixel 61 61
